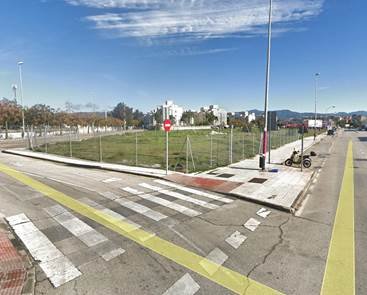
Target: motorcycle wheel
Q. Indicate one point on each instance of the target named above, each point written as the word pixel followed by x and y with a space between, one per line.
pixel 306 163
pixel 288 162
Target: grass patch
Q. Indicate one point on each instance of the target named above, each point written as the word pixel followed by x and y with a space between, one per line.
pixel 147 149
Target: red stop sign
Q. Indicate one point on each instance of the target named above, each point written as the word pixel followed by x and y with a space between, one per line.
pixel 167 125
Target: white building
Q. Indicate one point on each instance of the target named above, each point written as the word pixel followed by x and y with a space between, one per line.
pixel 251 117
pixel 170 109
pixel 217 112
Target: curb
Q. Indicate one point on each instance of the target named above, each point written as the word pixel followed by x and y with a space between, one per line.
pixel 87 164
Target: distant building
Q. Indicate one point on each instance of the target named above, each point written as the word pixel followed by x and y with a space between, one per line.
pixel 219 113
pixel 169 109
pixel 250 116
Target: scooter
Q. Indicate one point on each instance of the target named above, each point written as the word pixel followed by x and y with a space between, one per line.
pixel 296 159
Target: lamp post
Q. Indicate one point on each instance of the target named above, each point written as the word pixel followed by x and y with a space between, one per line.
pixel 267 79
pixel 20 63
pixel 317 75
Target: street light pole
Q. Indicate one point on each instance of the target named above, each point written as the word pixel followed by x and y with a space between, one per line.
pixel 317 75
pixel 264 143
pixel 21 95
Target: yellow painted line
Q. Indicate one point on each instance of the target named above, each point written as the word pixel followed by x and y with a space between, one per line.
pixel 339 277
pixel 224 277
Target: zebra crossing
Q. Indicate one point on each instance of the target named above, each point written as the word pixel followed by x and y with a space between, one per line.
pixel 56 265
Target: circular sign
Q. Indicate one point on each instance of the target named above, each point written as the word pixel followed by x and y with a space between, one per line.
pixel 167 125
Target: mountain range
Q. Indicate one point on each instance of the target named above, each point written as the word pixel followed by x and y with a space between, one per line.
pixel 288 114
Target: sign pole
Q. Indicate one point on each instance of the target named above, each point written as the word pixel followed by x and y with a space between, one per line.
pixel 167 127
pixel 166 152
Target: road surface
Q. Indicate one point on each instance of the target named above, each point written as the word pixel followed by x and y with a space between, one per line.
pixel 176 233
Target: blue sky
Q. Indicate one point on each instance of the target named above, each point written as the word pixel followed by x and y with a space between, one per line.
pixel 193 52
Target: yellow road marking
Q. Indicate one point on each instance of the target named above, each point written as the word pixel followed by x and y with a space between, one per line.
pixel 339 277
pixel 224 277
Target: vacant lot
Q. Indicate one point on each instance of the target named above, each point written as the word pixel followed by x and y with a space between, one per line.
pixel 204 149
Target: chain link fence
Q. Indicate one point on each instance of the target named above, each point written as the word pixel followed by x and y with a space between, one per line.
pixel 189 151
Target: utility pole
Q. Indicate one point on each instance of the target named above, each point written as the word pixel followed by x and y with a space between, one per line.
pixel 265 137
pixel 317 75
pixel 20 63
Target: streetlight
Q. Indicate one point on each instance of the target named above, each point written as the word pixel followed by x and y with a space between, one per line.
pixel 317 75
pixel 20 63
pixel 265 134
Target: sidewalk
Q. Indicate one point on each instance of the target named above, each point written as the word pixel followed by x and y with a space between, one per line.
pixel 244 179
pixel 13 272
pixel 90 164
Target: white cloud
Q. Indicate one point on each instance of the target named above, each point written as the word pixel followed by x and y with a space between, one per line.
pixel 195 19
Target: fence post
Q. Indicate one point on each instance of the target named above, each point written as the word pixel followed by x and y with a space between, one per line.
pixel 187 154
pixel 136 149
pixel 253 143
pixel 231 146
pixel 243 147
pixel 211 150
pixel 70 146
pixel 46 139
pixel 100 149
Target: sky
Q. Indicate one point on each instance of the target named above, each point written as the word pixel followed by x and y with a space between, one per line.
pixel 194 52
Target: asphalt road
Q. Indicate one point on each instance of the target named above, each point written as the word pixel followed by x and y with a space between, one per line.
pixel 287 253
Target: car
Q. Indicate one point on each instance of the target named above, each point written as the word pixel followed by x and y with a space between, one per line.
pixel 330 132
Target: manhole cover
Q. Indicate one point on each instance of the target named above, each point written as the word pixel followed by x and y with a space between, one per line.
pixel 258 180
pixel 225 175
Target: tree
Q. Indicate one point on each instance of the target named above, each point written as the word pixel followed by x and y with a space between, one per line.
pixel 10 114
pixel 39 115
pixel 187 117
pixel 128 115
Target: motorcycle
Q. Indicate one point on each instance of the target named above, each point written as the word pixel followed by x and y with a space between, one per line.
pixel 296 159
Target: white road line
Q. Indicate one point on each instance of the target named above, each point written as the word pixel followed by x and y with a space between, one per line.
pixel 252 224
pixel 184 286
pixel 236 239
pixel 78 228
pixel 217 256
pixel 263 212
pixel 56 266
pixel 111 213
pixel 179 196
pixel 109 180
pixel 109 195
pixel 193 191
pixel 141 209
pixel 113 253
pixel 177 207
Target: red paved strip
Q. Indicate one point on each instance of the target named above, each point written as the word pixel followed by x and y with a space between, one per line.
pixel 12 271
pixel 215 185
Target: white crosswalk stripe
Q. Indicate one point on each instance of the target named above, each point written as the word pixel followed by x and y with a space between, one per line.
pixel 187 285
pixel 193 191
pixel 236 239
pixel 252 224
pixel 184 286
pixel 179 196
pixel 150 213
pixel 263 212
pixel 78 228
pixel 111 213
pixel 177 207
pixel 55 265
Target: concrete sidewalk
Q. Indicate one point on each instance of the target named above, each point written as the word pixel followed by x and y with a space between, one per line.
pixel 244 179
pixel 90 164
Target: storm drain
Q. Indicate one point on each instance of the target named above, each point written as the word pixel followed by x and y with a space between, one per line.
pixel 225 175
pixel 258 180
